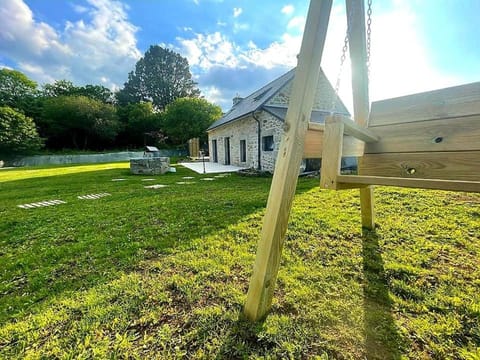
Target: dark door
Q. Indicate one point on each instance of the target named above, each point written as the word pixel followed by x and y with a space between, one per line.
pixel 227 151
pixel 214 151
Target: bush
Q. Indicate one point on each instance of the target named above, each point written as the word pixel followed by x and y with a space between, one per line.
pixel 17 133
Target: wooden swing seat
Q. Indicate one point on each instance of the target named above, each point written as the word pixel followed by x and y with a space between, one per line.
pixel 428 140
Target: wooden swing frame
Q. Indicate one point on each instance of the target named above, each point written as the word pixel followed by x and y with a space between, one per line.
pixel 429 140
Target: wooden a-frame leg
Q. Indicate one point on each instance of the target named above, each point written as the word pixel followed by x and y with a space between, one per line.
pixel 367 207
pixel 282 190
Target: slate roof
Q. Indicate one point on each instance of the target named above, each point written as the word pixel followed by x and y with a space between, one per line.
pixel 258 100
pixel 254 101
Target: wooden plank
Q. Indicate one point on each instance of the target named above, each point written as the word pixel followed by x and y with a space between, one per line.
pixel 313 145
pixel 367 206
pixel 454 101
pixel 359 132
pixel 282 191
pixel 455 134
pixel 332 152
pixel 452 185
pixel 316 126
pixel 463 165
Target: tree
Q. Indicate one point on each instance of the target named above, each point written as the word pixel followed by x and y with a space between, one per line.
pixel 97 92
pixel 16 89
pixel 161 76
pixel 66 88
pixel 188 118
pixel 17 132
pixel 141 124
pixel 60 88
pixel 79 119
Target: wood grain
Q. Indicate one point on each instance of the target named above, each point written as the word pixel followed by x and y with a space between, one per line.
pixel 282 190
pixel 456 134
pixel 439 165
pixel 463 100
pixel 451 185
pixel 332 152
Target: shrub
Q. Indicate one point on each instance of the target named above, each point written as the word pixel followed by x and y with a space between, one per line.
pixel 17 133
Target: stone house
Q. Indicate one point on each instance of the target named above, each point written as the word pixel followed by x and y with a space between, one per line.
pixel 249 134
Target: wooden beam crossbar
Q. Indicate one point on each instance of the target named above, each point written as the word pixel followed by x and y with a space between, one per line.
pixel 451 185
pixel 282 190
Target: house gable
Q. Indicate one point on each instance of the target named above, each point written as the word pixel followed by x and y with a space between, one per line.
pixel 277 94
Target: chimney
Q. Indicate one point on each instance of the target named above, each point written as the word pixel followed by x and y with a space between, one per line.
pixel 237 99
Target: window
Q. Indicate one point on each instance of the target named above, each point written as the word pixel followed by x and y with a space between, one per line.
pixel 267 143
pixel 243 150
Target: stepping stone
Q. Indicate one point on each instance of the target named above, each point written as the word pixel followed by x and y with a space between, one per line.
pixel 156 186
pixel 119 179
pixel 41 204
pixel 185 182
pixel 93 196
pixel 188 177
pixel 207 179
pixel 148 179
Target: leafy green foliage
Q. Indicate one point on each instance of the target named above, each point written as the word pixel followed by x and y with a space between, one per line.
pixel 66 88
pixel 164 273
pixel 188 118
pixel 18 92
pixel 160 77
pixel 14 87
pixel 77 120
pixel 17 133
pixel 142 126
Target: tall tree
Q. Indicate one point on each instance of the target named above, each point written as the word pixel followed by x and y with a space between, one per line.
pixel 16 89
pixel 161 76
pixel 188 118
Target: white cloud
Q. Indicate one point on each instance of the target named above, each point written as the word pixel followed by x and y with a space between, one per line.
pixel 288 9
pixel 237 12
pixel 206 51
pixel 99 48
pixel 79 8
pixel 298 22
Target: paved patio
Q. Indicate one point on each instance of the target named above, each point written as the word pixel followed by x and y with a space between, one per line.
pixel 210 167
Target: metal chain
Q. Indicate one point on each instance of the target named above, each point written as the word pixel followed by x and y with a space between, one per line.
pixel 339 75
pixel 340 70
pixel 344 54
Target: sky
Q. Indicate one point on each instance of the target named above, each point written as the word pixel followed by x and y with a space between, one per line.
pixel 235 47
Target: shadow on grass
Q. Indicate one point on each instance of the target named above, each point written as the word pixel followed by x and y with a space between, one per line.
pixel 84 243
pixel 382 338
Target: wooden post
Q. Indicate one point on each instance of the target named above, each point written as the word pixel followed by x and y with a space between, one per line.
pixel 332 152
pixel 361 105
pixel 282 190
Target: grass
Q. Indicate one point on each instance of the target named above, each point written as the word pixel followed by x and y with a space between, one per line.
pixel 163 273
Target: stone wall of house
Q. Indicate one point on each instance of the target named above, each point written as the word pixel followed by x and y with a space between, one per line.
pixel 271 126
pixel 246 129
pixel 324 96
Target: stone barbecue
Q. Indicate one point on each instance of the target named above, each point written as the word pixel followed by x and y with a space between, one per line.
pixel 151 163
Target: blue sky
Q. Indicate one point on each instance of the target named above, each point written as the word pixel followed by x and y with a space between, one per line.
pixel 237 46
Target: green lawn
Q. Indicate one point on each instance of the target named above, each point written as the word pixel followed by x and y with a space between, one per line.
pixel 163 273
